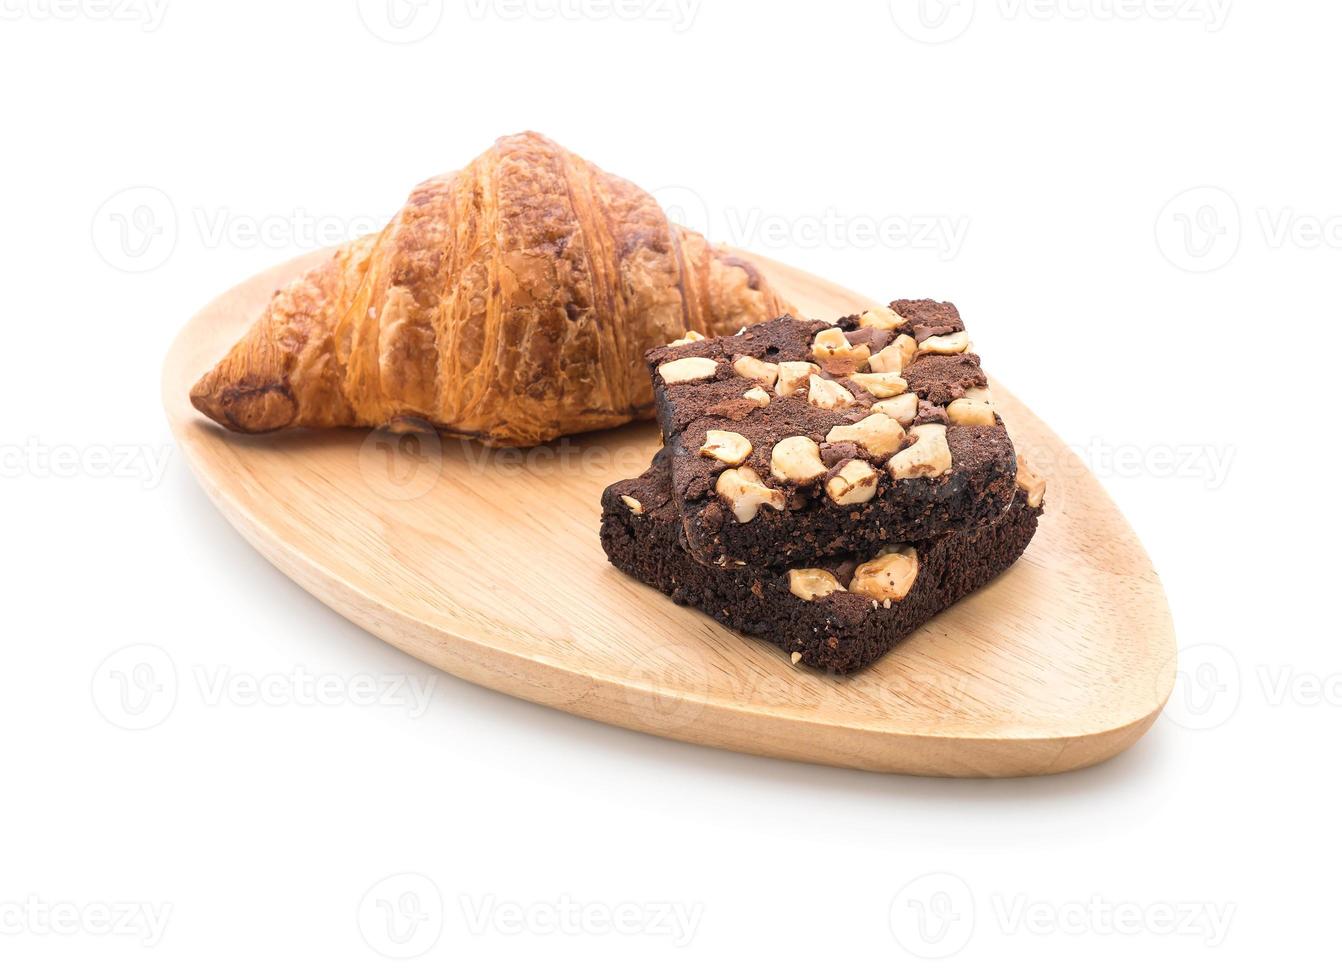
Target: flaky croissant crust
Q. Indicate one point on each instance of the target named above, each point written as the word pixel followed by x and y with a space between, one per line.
pixel 510 301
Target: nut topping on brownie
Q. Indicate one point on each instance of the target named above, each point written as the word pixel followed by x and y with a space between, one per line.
pixel 745 493
pixel 902 408
pixel 930 455
pixel 836 354
pixel 896 389
pixel 895 357
pixel 880 435
pixel 794 376
pixel 691 337
pixel 854 483
pixel 1031 481
pixel 885 384
pixel 796 459
pixel 688 369
pixel 731 448
pixel 967 411
pixel 951 343
pixel 824 393
pixel 756 370
pixel 809 584
pixel 887 577
pixel 881 318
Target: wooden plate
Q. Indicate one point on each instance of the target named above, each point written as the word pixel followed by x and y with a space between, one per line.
pixel 486 564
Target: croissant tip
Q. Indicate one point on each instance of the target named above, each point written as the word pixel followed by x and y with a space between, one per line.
pixel 241 407
pixel 203 400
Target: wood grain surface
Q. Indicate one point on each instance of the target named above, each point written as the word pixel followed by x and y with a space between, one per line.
pixel 486 564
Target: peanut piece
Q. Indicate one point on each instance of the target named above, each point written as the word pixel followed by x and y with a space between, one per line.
pixel 888 577
pixel 902 408
pixel 878 434
pixel 885 384
pixel 691 336
pixel 882 318
pixel 829 394
pixel 796 459
pixel 963 411
pixel 745 493
pixel 895 356
pixel 1031 481
pixel 731 448
pixel 754 369
pixel 930 455
pixel 947 343
pixel 810 584
pixel 793 376
pixel 688 369
pixel 855 483
pixel 832 350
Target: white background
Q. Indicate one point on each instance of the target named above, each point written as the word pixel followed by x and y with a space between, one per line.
pixel 1136 206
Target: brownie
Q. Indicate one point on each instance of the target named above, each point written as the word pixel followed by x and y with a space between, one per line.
pixel 837 616
pixel 795 440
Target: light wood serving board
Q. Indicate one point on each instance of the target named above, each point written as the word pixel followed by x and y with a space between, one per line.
pixel 486 564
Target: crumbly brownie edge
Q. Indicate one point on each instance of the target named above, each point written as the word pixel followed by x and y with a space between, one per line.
pixel 838 633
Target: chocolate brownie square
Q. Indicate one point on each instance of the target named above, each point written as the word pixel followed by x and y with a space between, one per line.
pixel 839 615
pixel 795 440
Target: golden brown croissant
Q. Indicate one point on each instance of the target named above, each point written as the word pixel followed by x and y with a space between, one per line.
pixel 510 301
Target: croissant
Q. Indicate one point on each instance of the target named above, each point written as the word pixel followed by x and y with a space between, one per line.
pixel 510 301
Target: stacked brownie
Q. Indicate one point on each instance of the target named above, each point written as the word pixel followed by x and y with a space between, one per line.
pixel 829 487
